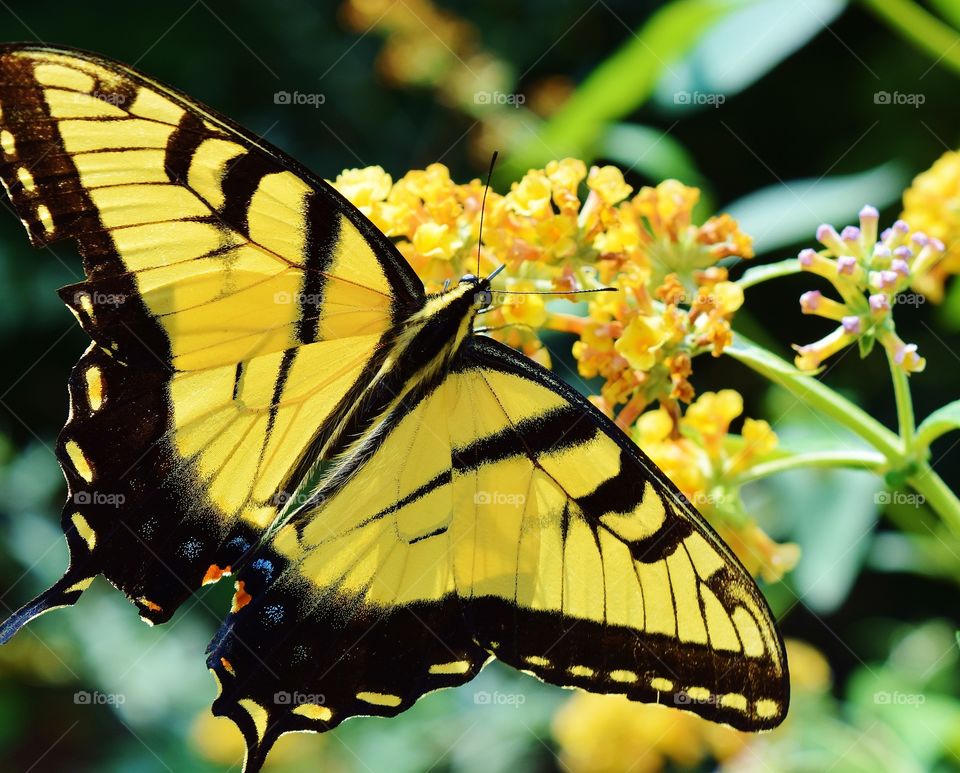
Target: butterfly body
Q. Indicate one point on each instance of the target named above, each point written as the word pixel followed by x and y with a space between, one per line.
pixel 270 393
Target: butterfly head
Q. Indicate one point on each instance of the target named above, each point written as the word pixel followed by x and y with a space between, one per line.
pixel 480 288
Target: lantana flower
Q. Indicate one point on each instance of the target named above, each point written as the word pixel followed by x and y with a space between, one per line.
pixel 868 273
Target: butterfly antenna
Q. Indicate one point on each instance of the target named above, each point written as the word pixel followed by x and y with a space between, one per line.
pixel 483 204
pixel 555 292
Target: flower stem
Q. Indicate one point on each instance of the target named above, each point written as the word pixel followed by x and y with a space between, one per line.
pixel 937 495
pixel 814 393
pixel 871 461
pixel 901 391
pixel 921 28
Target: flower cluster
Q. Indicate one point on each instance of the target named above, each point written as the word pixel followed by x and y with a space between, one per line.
pixel 868 274
pixel 932 205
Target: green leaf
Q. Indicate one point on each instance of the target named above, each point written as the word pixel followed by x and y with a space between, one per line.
pixel 617 86
pixel 789 212
pixel 938 423
pixel 949 9
pixel 742 47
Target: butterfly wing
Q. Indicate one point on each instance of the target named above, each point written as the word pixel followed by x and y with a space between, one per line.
pixel 495 513
pixel 234 300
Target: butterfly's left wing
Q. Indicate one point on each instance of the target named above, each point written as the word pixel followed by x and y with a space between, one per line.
pixel 497 513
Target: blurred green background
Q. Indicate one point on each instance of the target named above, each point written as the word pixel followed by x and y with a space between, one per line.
pixel 769 106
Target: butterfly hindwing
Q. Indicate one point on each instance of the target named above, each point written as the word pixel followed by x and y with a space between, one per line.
pixel 497 513
pixel 236 305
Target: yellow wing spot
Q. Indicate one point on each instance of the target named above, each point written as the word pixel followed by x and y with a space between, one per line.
pixel 621 675
pixel 82 585
pixel 219 684
pixel 733 700
pixel 46 219
pixel 584 671
pixel 258 713
pixel 26 179
pixel 379 698
pixel 63 77
pixel 456 667
pixel 537 660
pixel 84 530
pixel 79 460
pixel 642 522
pixel 661 684
pixel 767 708
pixel 94 378
pixel 313 711
pixel 7 143
pixel 698 694
pixel 749 633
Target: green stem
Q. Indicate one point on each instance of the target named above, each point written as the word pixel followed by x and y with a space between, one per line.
pixel 870 461
pixel 937 495
pixel 808 390
pixel 812 392
pixel 923 29
pixel 901 391
pixel 757 274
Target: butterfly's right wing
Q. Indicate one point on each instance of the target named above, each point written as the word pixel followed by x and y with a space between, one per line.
pixel 236 305
pixel 495 514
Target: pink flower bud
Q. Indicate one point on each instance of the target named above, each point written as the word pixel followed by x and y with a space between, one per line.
pixel 901 267
pixel 846 264
pixel 852 324
pixel 879 303
pixel 810 301
pixel 806 257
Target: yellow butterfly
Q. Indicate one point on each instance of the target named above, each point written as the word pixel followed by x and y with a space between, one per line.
pixel 269 392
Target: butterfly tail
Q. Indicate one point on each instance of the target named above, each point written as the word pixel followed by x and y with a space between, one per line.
pixel 63 593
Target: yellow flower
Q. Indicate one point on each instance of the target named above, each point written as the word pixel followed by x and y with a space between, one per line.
pixel 434 240
pixel 932 206
pixel 364 187
pixel 712 413
pixel 565 177
pixel 527 310
pixel 610 734
pixel 608 183
pixel 531 196
pixel 641 339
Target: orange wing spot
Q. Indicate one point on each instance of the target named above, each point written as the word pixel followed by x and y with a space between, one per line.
pixel 149 604
pixel 214 573
pixel 241 598
pixel 228 665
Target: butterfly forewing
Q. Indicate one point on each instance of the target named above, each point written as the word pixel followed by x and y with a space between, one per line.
pixel 235 302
